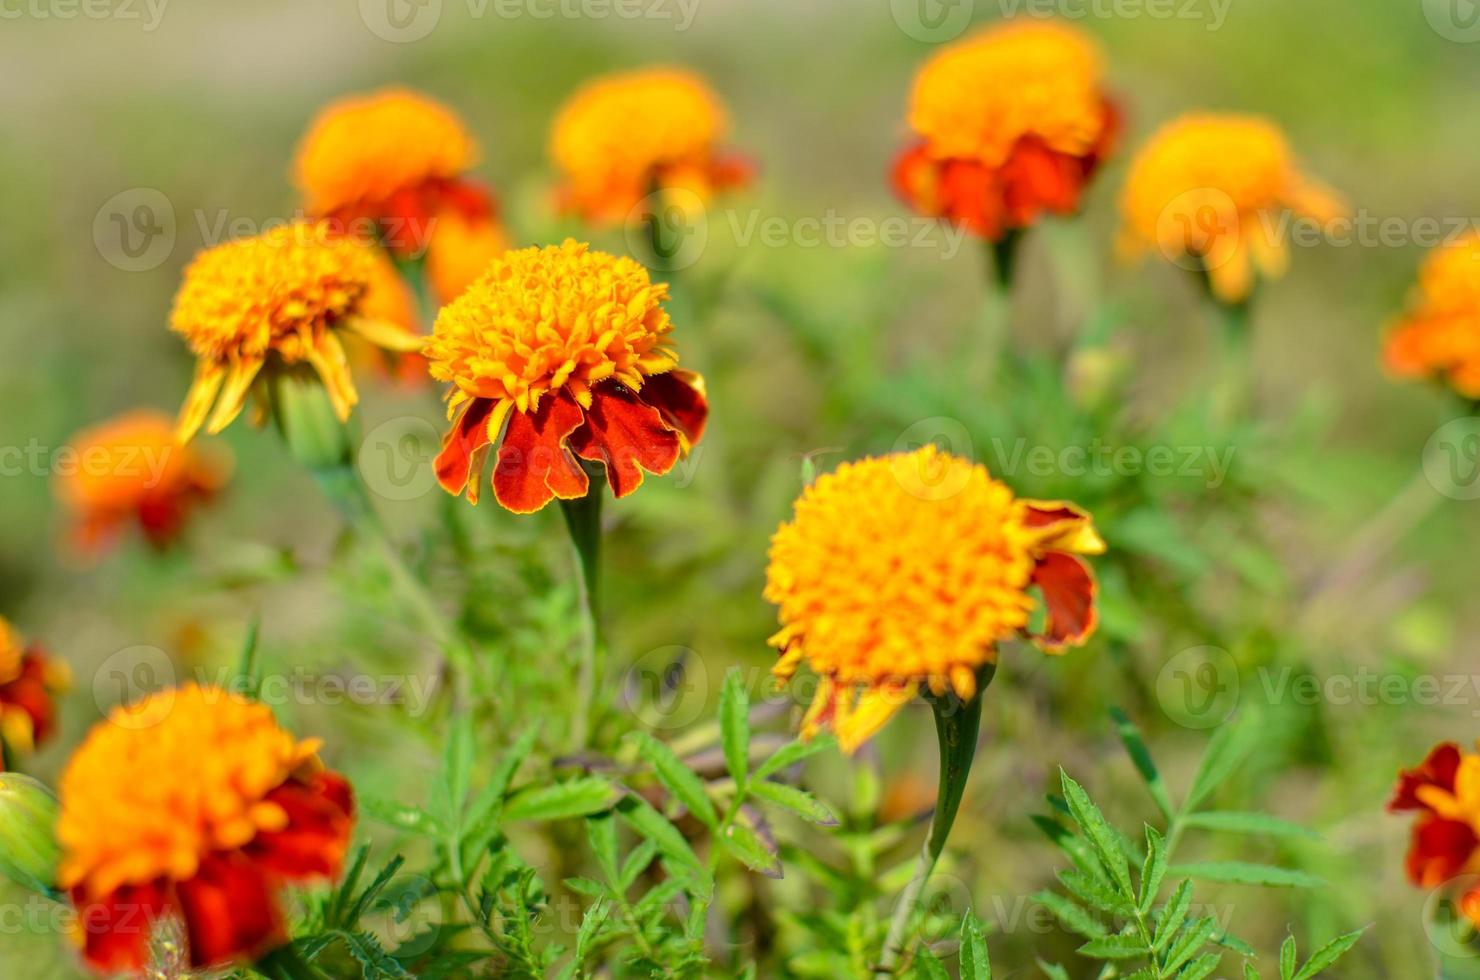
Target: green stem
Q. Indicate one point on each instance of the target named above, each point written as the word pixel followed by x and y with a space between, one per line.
pixel 1233 387
pixel 583 520
pixel 1004 258
pixel 956 725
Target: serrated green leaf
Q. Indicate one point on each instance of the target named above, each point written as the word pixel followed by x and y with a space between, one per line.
pixel 1099 833
pixel 734 727
pixel 482 814
pixel 457 768
pixel 1228 747
pixel 1287 959
pixel 751 850
pixel 1200 967
pixel 1244 873
pixel 800 802
pixel 928 967
pixel 1122 947
pixel 591 924
pixel 1230 941
pixel 975 960
pixel 1233 822
pixel 679 779
pixel 409 818
pixel 1169 923
pixel 577 798
pixel 1094 892
pixel 601 831
pixel 1193 938
pixel 1135 747
pixel 652 825
pixel 790 754
pixel 1154 870
pixel 1328 954
pixel 637 862
pixel 374 961
pixel 1071 915
pixel 1052 970
pixel 1250 973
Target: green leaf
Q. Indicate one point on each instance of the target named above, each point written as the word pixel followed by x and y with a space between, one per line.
pixel 975 961
pixel 457 768
pixel 246 663
pixel 484 809
pixel 686 787
pixel 409 818
pixel 1123 947
pixel 1154 870
pixel 1244 873
pixel 1135 747
pixel 1328 954
pixel 1228 747
pixel 1229 941
pixel 1250 973
pixel 1248 823
pixel 591 924
pixel 601 831
pixel 641 817
pixel 734 727
pixel 792 753
pixel 928 967
pixel 1071 916
pixel 1193 938
pixel 1169 923
pixel 800 802
pixel 577 798
pixel 751 850
pixel 637 862
pixel 376 963
pixel 1099 833
pixel 1052 970
pixel 1200 967
pixel 1094 892
pixel 1287 959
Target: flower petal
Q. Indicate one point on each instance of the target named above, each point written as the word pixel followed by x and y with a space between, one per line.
pixel 234 391
pixel 385 334
pixel 463 449
pixel 329 360
pixel 230 911
pixel 628 435
pixel 876 705
pixel 1440 849
pixel 1062 526
pixel 320 819
pixel 1438 769
pixel 202 395
pixel 1069 597
pixel 534 464
pixel 115 930
pixel 680 398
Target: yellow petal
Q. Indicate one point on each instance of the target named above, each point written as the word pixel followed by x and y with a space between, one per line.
pixel 234 394
pixel 202 395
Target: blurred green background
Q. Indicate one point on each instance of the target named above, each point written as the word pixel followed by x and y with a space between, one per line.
pixel 825 350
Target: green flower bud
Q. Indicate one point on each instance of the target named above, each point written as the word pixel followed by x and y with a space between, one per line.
pixel 29 852
pixel 306 418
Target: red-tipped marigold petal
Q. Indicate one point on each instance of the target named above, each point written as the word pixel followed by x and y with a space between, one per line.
pixel 679 397
pixel 1440 849
pixel 316 838
pixel 1438 769
pixel 115 930
pixel 463 448
pixel 230 911
pixel 534 466
pixel 1069 597
pixel 628 435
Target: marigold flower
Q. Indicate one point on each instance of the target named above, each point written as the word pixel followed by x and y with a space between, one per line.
pixel 905 571
pixel 130 469
pixel 279 299
pixel 193 807
pixel 1205 191
pixel 1010 122
pixel 1440 336
pixel 30 681
pixel 621 137
pixel 388 300
pixel 568 346
pixel 1445 790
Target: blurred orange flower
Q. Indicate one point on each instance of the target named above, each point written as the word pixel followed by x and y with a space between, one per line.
pixel 905 571
pixel 1204 192
pixel 557 353
pixel 388 300
pixel 622 137
pixel 194 807
pixel 1010 122
pixel 277 300
pixel 30 680
pixel 1440 336
pixel 1445 790
pixel 397 162
pixel 130 469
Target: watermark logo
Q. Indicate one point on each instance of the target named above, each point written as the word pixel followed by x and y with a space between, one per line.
pixel 667 687
pixel 129 676
pixel 1449 928
pixel 395 459
pixel 1451 459
pixel 939 479
pixel 1454 20
pixel 1199 687
pixel 932 21
pixel 401 21
pixel 670 226
pixel 134 230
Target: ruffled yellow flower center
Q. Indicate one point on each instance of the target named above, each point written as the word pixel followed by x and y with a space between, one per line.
pixel 614 131
pixel 979 96
pixel 369 147
pixel 163 782
pixel 275 292
pixel 901 569
pixel 543 319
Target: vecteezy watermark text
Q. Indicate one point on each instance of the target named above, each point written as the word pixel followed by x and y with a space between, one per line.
pixel 405 21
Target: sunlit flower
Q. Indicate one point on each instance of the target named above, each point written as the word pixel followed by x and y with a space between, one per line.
pixel 131 470
pixel 622 137
pixel 1208 192
pixel 1009 123
pixel 557 353
pixel 461 250
pixel 191 809
pixel 1445 790
pixel 905 572
pixel 277 300
pixel 388 300
pixel 1440 336
pixel 30 681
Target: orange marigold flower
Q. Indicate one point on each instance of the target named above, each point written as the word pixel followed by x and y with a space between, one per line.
pixel 191 809
pixel 279 299
pixel 1440 336
pixel 30 681
pixel 1010 122
pixel 397 160
pixel 388 300
pixel 1445 790
pixel 1205 191
pixel 131 469
pixel 568 346
pixel 621 137
pixel 905 571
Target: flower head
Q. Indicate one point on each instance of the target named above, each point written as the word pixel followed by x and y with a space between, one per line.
pixel 621 137
pixel 1440 336
pixel 130 469
pixel 1203 190
pixel 194 807
pixel 1445 790
pixel 568 346
pixel 279 299
pixel 905 571
pixel 1009 122
pixel 30 681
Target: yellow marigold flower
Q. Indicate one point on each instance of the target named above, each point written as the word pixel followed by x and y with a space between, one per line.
pixel 194 805
pixel 905 571
pixel 623 136
pixel 279 299
pixel 569 347
pixel 1440 336
pixel 30 681
pixel 1206 190
pixel 131 469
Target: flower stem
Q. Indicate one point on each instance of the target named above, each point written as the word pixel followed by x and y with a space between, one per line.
pixel 956 725
pixel 583 520
pixel 1232 389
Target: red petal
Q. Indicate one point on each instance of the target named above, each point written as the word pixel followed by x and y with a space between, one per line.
pixel 230 911
pixel 1438 769
pixel 320 820
pixel 1035 178
pixel 1069 595
pixel 626 434
pixel 463 449
pixel 30 693
pixel 116 929
pixel 1440 850
pixel 915 179
pixel 679 398
pixel 534 466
